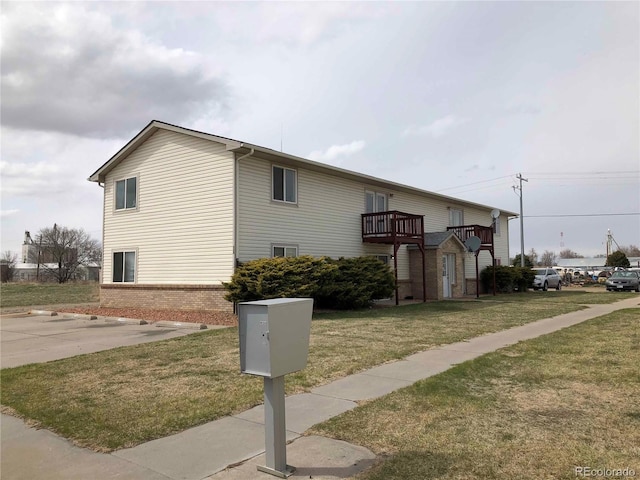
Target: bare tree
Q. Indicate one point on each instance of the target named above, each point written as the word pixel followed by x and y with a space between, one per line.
pixel 68 249
pixel 8 262
pixel 533 256
pixel 630 251
pixel 568 253
pixel 548 258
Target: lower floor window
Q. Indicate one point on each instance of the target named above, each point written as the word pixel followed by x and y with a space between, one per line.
pixel 124 266
pixel 284 251
pixel 383 258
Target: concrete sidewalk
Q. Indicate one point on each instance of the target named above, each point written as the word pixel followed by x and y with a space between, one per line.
pixel 231 447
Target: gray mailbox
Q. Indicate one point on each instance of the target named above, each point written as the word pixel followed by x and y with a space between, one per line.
pixel 274 336
pixel 274 341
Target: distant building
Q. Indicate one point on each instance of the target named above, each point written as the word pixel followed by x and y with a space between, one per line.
pixel 591 263
pixel 38 262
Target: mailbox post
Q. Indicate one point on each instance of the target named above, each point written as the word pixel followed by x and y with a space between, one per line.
pixel 274 341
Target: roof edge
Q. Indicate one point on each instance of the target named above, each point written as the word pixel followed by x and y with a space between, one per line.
pixel 232 145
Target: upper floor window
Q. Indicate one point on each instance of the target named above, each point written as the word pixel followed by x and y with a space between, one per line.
pixel 455 217
pixel 496 226
pixel 284 251
pixel 284 186
pixel 375 202
pixel 126 193
pixel 124 266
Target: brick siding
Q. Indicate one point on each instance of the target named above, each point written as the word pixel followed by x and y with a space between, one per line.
pixel 183 297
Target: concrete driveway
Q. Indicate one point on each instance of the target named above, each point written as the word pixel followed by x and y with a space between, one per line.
pixel 40 338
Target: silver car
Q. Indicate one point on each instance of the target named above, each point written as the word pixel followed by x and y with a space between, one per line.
pixel 623 280
pixel 546 278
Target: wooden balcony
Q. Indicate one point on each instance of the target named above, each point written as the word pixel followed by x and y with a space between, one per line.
pixel 392 227
pixel 484 233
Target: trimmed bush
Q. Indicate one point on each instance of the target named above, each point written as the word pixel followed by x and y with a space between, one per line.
pixel 508 279
pixel 355 283
pixel 345 283
pixel 277 277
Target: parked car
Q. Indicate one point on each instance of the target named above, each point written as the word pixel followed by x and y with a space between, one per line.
pixel 546 278
pixel 623 280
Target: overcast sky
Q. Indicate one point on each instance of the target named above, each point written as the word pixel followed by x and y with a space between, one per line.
pixel 455 98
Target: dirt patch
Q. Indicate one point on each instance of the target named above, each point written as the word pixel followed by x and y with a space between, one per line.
pixel 207 317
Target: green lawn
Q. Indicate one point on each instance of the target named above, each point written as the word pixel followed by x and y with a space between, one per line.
pixel 537 409
pixel 126 396
pixel 35 294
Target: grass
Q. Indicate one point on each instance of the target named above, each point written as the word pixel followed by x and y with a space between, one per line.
pixel 126 396
pixel 33 294
pixel 536 409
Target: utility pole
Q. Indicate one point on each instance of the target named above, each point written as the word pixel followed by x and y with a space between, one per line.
pixel 519 177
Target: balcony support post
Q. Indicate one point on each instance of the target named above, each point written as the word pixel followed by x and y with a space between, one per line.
pixel 396 246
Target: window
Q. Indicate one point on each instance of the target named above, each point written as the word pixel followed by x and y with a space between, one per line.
pixel 124 267
pixel 284 184
pixel 455 217
pixel 284 251
pixel 496 226
pixel 126 193
pixel 383 258
pixel 375 202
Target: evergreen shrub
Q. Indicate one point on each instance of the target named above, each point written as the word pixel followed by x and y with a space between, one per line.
pixel 346 283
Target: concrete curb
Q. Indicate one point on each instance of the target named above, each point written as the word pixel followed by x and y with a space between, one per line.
pixel 127 321
pixel 45 313
pixel 81 316
pixel 171 324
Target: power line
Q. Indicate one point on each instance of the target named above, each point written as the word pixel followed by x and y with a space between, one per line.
pixel 474 183
pixel 584 215
pixel 585 173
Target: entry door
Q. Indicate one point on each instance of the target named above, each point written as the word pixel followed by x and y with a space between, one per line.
pixel 448 275
pixel 376 203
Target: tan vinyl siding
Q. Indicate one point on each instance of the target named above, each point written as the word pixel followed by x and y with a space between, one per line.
pixel 325 220
pixel 182 228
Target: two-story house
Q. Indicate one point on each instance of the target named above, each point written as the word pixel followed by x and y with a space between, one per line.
pixel 182 208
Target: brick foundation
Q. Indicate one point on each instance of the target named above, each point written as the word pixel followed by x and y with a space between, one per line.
pixel 182 297
pixel 405 289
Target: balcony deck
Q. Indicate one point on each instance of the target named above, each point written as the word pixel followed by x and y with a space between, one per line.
pixel 392 227
pixel 484 233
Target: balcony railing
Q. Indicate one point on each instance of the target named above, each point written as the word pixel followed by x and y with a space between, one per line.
pixel 391 227
pixel 485 234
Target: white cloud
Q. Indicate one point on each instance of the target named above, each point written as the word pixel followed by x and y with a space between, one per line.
pixel 82 74
pixel 437 128
pixel 8 213
pixel 335 151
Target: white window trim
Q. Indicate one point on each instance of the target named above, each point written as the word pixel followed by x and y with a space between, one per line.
pixel 454 209
pixel 115 193
pixel 498 227
pixel 284 246
pixel 380 257
pixel 284 185
pixel 135 266
pixel 375 200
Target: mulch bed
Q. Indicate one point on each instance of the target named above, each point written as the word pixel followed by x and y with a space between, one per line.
pixel 207 317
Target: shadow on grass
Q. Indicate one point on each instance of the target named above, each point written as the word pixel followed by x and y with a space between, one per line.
pixel 413 464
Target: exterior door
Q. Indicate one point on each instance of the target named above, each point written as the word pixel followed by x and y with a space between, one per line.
pixel 375 203
pixel 448 274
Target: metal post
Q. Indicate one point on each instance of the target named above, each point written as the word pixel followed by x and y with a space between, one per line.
pixel 275 433
pixel 519 177
pixel 477 277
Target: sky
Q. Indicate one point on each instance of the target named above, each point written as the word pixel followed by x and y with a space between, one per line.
pixel 457 98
